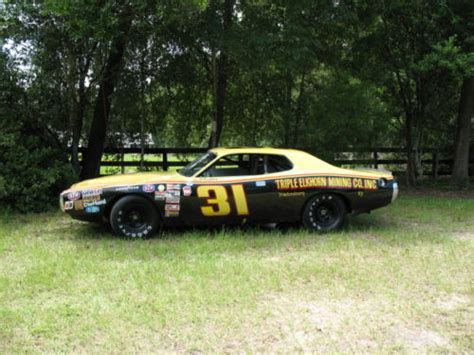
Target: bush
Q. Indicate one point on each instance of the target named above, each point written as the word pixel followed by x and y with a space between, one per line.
pixel 31 174
pixel 33 165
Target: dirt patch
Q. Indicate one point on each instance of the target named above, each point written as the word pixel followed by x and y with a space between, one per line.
pixel 419 339
pixel 452 302
pixel 343 325
pixel 463 235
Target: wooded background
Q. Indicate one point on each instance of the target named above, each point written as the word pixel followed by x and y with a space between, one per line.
pixel 318 75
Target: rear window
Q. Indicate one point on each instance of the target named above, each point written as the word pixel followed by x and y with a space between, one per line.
pixel 277 163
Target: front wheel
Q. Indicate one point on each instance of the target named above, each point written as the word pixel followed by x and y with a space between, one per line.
pixel 134 216
pixel 324 212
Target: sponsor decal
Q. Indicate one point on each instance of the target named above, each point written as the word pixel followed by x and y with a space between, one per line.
pixel 78 205
pixel 95 203
pixel 68 205
pixel 171 214
pixel 89 197
pixel 127 188
pixel 172 199
pixel 290 194
pixel 187 190
pixel 74 195
pixel 326 182
pixel 172 196
pixel 172 207
pixel 92 209
pixel 260 183
pixel 90 200
pixel 91 193
pixel 160 195
pixel 148 188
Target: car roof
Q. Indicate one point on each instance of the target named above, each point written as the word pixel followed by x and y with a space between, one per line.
pixel 299 158
pixel 302 161
pixel 251 150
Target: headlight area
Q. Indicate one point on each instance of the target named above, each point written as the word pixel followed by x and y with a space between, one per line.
pixel 61 202
pixel 382 183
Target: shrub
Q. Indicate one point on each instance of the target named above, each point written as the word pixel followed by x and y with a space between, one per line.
pixel 33 165
pixel 32 173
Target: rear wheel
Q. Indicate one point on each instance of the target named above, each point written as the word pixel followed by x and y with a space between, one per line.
pixel 324 212
pixel 135 217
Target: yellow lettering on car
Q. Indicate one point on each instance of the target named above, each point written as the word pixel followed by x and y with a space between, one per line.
pixel 217 203
pixel 240 200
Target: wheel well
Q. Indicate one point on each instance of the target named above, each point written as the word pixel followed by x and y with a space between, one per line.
pixel 344 198
pixel 114 199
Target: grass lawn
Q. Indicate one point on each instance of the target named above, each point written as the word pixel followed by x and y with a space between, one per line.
pixel 399 279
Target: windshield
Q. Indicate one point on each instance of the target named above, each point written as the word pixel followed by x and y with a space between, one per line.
pixel 196 165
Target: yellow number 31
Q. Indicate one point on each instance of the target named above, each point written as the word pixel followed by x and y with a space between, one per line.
pixel 218 200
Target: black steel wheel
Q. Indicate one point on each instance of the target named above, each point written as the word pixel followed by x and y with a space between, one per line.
pixel 135 217
pixel 324 212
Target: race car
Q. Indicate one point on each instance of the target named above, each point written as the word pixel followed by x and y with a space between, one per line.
pixel 232 186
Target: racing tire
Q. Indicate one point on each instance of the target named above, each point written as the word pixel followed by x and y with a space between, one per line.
pixel 134 217
pixel 324 212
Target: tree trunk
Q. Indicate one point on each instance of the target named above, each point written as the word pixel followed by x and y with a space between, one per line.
pixel 95 147
pixel 80 107
pixel 460 175
pixel 71 83
pixel 411 150
pixel 221 80
pixel 220 94
pixel 299 111
pixel 76 132
pixel 287 116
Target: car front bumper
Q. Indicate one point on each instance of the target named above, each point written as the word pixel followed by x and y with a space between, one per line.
pixel 394 190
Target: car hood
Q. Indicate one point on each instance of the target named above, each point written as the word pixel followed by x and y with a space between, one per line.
pixel 128 179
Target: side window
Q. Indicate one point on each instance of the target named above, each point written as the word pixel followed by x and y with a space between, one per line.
pixel 230 165
pixel 248 164
pixel 277 163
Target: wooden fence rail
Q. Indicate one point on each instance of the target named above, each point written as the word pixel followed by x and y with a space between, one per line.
pixel 372 157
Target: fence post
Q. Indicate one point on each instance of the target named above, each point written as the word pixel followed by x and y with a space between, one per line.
pixel 122 160
pixel 165 161
pixel 435 163
pixel 376 164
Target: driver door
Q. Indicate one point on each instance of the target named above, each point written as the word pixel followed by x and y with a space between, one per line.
pixel 226 192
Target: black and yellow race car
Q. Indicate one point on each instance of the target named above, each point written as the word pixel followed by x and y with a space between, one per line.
pixel 231 186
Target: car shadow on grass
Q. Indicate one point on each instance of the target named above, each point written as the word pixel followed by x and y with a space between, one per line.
pixel 355 225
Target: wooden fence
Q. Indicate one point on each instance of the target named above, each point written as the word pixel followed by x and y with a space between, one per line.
pixel 433 161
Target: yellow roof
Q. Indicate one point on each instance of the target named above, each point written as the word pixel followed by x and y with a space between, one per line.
pixel 302 161
pixel 253 150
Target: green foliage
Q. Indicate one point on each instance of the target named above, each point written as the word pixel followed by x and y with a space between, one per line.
pixel 321 75
pixel 32 174
pixel 33 168
pixel 448 55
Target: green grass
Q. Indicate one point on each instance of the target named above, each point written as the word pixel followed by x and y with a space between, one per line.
pixel 400 279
